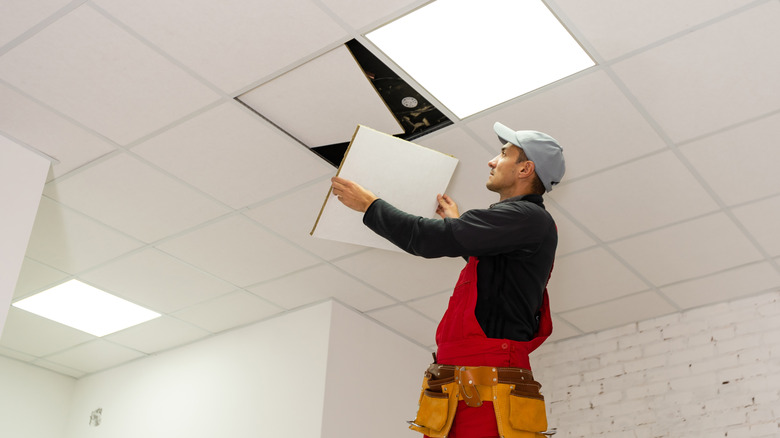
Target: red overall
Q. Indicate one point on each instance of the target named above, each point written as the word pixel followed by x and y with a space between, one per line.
pixel 461 341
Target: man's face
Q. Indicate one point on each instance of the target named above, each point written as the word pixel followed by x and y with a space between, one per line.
pixel 504 169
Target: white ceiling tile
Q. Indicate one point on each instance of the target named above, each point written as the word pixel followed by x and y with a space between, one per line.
pixel 724 286
pixel 359 13
pixel 70 144
pixel 158 334
pixel 318 283
pixel 615 27
pixel 720 75
pixel 37 336
pixel 71 242
pixel 293 216
pixel 433 307
pixel 647 193
pixel 228 311
pixel 322 102
pixel 590 117
pixel 131 196
pixel 87 67
pixel 615 313
pixel 233 155
pixel 157 281
pixel 35 276
pixel 408 323
pixel 62 369
pixel 95 356
pixel 13 354
pixel 467 186
pixel 17 16
pixel 401 275
pixel 570 236
pixel 761 220
pixel 687 250
pixel 239 251
pixel 232 43
pixel 590 277
pixel 562 330
pixel 740 164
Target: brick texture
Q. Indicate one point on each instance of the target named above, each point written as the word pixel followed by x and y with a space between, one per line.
pixel 707 372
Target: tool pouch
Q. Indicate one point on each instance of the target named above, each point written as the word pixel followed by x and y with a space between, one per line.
pixel 438 402
pixel 520 410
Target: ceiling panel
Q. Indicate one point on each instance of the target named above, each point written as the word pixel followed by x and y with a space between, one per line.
pixel 37 336
pixel 71 242
pixel 88 68
pixel 709 79
pixel 594 122
pixel 740 164
pixel 723 286
pixel 648 193
pixel 321 102
pixel 133 197
pixel 688 250
pixel 155 280
pixel 571 236
pixel 295 290
pixel 762 220
pixel 590 277
pixel 618 312
pixel 223 41
pixel 228 311
pixel 293 215
pixel 360 13
pixel 615 27
pixel 408 323
pixel 239 251
pixel 403 276
pixel 233 155
pixel 35 276
pixel 17 16
pixel 158 334
pixel 68 143
pixel 433 306
pixel 95 355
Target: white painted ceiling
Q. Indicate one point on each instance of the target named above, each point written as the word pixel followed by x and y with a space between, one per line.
pixel 167 192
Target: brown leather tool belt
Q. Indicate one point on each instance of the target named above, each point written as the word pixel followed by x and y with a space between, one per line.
pixel 471 377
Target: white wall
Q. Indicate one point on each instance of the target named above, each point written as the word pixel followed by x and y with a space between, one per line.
pixel 707 372
pixel 22 175
pixel 34 402
pixel 373 382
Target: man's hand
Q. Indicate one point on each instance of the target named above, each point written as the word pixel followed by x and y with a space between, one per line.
pixel 352 194
pixel 447 207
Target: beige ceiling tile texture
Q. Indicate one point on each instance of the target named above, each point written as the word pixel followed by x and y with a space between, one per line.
pixel 761 220
pixel 433 307
pixel 35 276
pixel 71 242
pixel 724 286
pixel 740 164
pixel 588 278
pixel 17 16
pixel 688 250
pixel 158 334
pixel 709 78
pixel 72 146
pixel 616 27
pixel 234 156
pixel 239 251
pixel 615 313
pixel 635 197
pixel 293 216
pixel 359 13
pixel 94 356
pixel 408 323
pixel 36 336
pixel 90 69
pixel 317 284
pixel 135 198
pixel 570 236
pixel 228 311
pixel 596 125
pixel 220 41
pixel 157 281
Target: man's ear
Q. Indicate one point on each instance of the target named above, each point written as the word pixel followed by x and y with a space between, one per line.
pixel 529 167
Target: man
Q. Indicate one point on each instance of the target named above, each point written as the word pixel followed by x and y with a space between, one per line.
pixel 480 384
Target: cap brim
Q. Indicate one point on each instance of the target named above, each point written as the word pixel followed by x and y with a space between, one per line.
pixel 505 134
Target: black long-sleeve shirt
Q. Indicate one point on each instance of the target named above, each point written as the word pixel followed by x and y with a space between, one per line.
pixel 515 241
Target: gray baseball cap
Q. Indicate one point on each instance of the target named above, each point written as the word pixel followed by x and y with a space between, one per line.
pixel 540 148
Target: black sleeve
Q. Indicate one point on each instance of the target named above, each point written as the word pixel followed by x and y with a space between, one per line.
pixel 516 226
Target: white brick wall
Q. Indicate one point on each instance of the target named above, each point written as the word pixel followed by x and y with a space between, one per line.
pixel 707 372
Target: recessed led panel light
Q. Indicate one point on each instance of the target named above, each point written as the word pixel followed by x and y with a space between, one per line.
pixel 474 55
pixel 86 308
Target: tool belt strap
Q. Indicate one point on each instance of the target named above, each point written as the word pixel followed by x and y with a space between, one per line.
pixel 472 379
